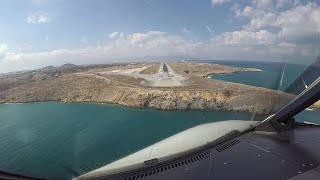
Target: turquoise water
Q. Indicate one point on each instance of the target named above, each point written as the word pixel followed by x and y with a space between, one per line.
pixel 268 78
pixel 58 141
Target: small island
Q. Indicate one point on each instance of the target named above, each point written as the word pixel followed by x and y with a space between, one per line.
pixel 164 86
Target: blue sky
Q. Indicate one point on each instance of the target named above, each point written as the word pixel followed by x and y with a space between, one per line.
pixel 71 20
pixel 37 33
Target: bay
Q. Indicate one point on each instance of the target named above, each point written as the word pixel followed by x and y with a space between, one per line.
pixel 59 141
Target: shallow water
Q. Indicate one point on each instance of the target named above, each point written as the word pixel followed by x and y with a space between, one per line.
pixel 57 141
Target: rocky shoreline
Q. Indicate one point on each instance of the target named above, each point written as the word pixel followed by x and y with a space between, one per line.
pixel 246 70
pixel 146 98
pixel 199 94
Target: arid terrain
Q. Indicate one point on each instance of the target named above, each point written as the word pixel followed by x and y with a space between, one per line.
pixel 136 85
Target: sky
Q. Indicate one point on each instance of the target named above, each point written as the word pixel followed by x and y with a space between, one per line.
pixel 38 33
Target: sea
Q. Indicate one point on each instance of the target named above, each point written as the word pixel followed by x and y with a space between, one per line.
pixel 54 140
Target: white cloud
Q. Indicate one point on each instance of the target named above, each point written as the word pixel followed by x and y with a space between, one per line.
pixel 248 11
pixel 142 38
pixel 245 38
pixel 242 44
pixel 113 35
pixel 152 43
pixel 263 4
pixel 38 18
pixel 3 48
pixel 121 35
pixel 282 3
pixel 270 34
pixel 218 2
pixel 300 23
pixel 292 29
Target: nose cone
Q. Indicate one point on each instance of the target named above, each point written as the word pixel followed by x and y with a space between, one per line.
pixel 178 143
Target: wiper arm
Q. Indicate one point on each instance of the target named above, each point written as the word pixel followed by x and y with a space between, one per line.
pixel 305 99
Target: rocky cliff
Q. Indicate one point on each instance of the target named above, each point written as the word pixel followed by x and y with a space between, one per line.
pixel 70 89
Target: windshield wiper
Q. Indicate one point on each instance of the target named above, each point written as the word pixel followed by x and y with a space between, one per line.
pixel 282 120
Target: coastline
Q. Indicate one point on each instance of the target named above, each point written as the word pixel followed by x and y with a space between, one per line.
pixel 165 99
pixel 246 70
pixel 199 93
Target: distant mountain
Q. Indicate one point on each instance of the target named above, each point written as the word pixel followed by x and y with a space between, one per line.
pixel 47 68
pixel 68 65
pixel 167 58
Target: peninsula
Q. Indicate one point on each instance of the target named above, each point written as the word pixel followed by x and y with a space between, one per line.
pixel 165 86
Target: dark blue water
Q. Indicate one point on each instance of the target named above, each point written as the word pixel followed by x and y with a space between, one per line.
pixel 57 141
